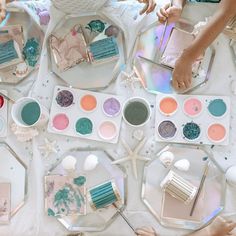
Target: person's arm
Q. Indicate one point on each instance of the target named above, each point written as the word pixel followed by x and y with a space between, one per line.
pixel 182 73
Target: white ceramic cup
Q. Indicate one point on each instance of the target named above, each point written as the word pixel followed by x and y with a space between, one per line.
pixel 17 109
pixel 141 100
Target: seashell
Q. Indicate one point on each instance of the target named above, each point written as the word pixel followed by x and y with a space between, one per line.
pixel 24 134
pixel 69 163
pixel 167 158
pixel 182 165
pixel 90 162
pixel 233 87
pixel 146 231
pixel 138 134
pixel 231 176
pixel 21 70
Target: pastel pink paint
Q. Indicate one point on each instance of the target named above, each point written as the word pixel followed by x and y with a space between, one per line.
pixel 107 130
pixel 216 132
pixel 192 106
pixel 60 121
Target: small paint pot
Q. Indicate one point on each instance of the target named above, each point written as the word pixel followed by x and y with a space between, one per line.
pixel 191 131
pixel 168 106
pixel 88 103
pixel 216 133
pixel 64 98
pixel 28 112
pixel 107 130
pixel 60 122
pixel 84 126
pixel 217 108
pixel 167 130
pixel 111 107
pixel 136 112
pixel 192 107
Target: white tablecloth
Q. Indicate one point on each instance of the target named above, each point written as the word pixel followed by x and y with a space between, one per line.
pixel 31 219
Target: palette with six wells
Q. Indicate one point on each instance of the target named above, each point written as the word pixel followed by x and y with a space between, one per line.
pixel 192 119
pixel 86 114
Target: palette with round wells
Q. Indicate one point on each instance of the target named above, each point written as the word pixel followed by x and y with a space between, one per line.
pixel 192 119
pixel 86 114
pixel 3 115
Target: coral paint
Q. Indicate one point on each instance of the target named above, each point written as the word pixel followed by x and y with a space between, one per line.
pixel 88 102
pixel 107 130
pixel 168 106
pixel 216 132
pixel 192 107
pixel 60 122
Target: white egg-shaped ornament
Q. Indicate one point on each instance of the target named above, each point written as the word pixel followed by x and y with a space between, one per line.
pixel 182 165
pixel 69 163
pixel 231 176
pixel 91 162
pixel 167 158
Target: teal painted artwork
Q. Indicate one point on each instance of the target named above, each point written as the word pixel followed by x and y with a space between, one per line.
pixel 64 197
pixel 96 26
pixel 31 51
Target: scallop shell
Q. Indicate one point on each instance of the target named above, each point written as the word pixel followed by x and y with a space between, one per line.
pixel 231 176
pixel 146 231
pixel 167 158
pixel 182 165
pixel 69 163
pixel 91 162
pixel 21 70
pixel 24 134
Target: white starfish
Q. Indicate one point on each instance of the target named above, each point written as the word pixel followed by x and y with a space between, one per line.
pixel 133 155
pixel 48 147
pixel 129 79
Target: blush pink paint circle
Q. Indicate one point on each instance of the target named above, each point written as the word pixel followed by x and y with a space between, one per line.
pixel 60 121
pixel 107 130
pixel 192 107
pixel 216 132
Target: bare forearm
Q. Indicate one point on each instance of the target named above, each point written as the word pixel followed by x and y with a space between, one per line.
pixel 179 3
pixel 226 10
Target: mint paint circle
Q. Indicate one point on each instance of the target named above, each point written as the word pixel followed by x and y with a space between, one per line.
pixel 191 131
pixel 136 113
pixel 84 126
pixel 30 113
pixel 217 107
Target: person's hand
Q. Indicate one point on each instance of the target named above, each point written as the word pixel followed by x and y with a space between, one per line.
pixel 173 13
pixel 2 10
pixel 182 73
pixel 149 6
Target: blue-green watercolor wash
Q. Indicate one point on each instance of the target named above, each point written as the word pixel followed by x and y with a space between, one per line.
pixel 217 107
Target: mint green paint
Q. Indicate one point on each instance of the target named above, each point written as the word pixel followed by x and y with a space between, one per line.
pixel 217 107
pixel 84 126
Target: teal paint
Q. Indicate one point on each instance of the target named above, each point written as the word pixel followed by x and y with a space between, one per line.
pixel 191 131
pixel 84 126
pixel 136 113
pixel 30 113
pixel 217 107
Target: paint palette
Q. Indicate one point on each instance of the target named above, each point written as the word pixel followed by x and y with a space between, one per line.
pixel 3 115
pixel 86 114
pixel 192 119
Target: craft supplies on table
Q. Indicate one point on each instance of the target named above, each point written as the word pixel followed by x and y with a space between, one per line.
pixel 195 119
pixel 3 114
pixel 86 114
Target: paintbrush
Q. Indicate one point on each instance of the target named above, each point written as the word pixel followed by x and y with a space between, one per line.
pixel 7 98
pixel 200 187
pixel 164 30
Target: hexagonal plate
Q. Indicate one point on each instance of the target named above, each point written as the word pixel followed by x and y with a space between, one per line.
pixel 14 171
pixel 155 77
pixel 84 75
pixel 100 219
pixel 173 213
pixel 31 29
